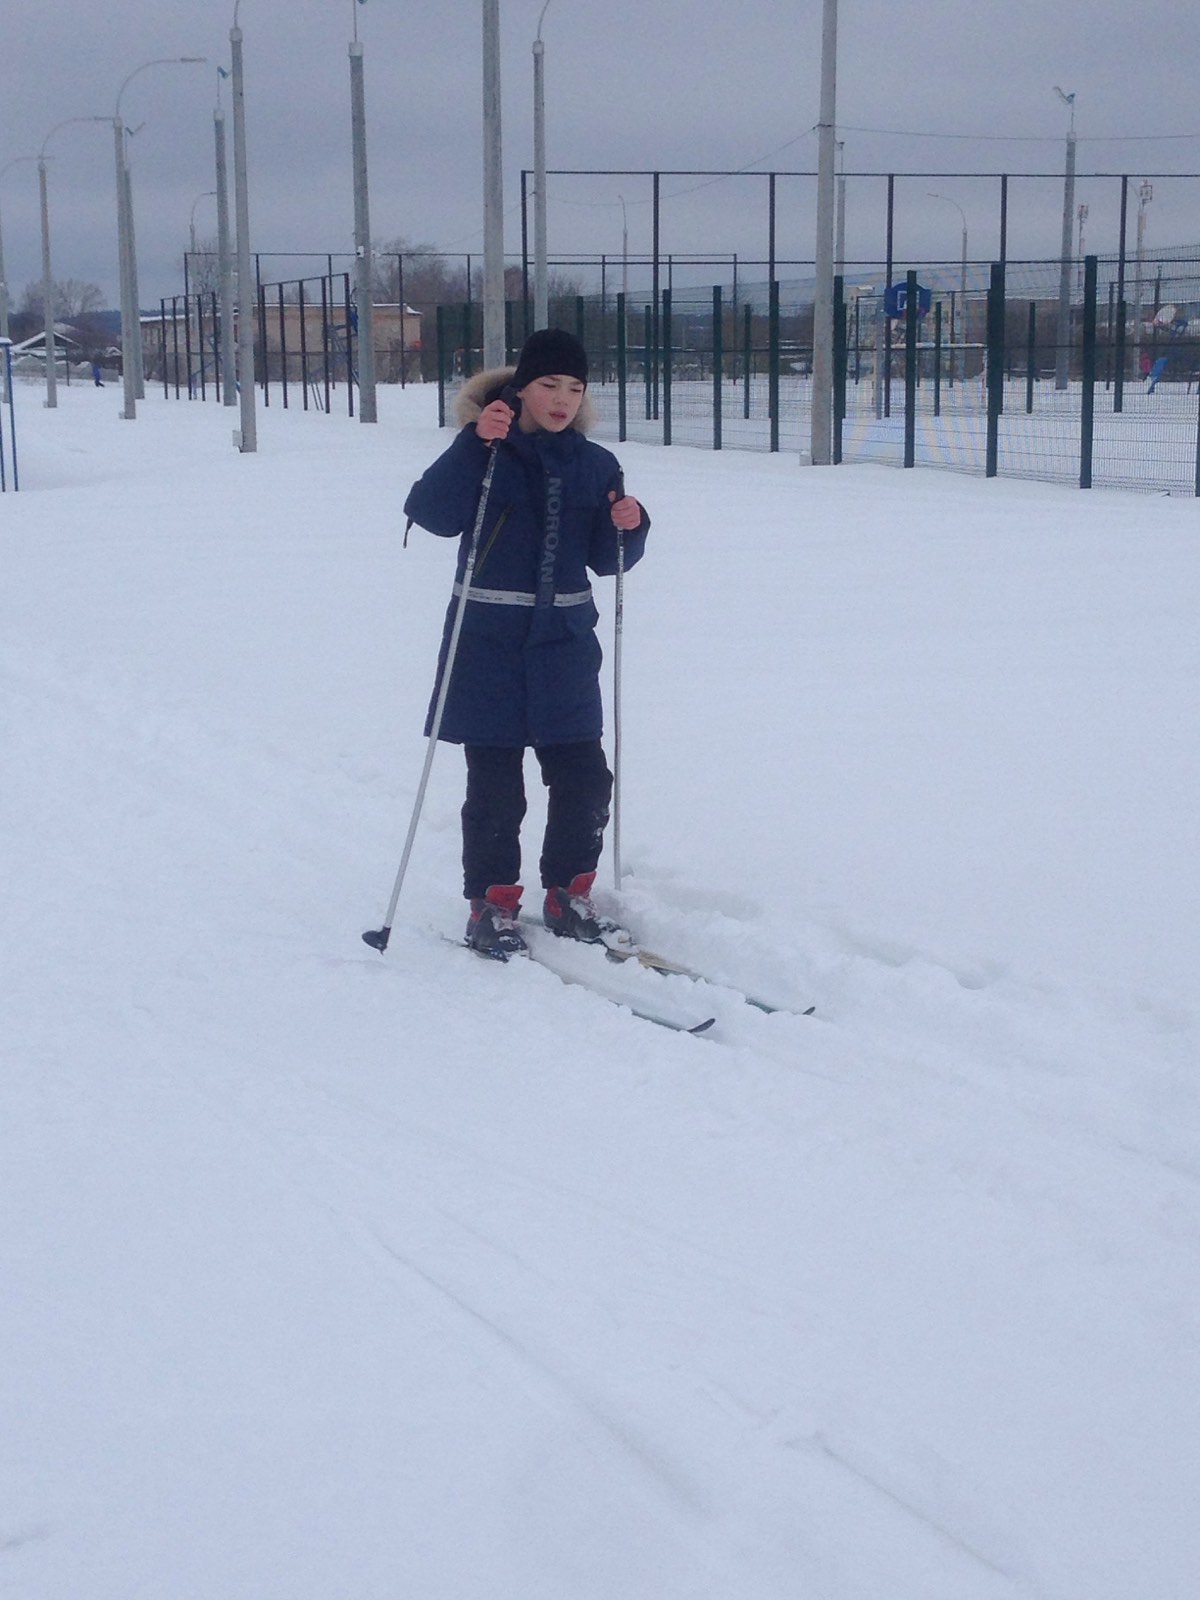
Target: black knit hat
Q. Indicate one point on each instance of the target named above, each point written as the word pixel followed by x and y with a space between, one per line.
pixel 548 352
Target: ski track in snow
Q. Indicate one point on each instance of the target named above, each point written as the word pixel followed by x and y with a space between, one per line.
pixel 475 1284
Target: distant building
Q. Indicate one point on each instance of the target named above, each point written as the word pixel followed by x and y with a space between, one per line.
pixel 305 343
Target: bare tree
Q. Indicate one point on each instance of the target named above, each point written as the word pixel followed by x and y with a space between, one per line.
pixel 204 268
pixel 430 278
pixel 72 299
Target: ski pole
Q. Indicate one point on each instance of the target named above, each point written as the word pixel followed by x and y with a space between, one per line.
pixel 618 631
pixel 378 938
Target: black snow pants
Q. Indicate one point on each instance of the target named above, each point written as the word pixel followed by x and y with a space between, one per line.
pixel 580 787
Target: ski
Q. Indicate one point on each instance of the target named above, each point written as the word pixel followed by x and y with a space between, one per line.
pixel 567 960
pixel 569 968
pixel 677 969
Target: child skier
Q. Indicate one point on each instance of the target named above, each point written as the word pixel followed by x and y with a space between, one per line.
pixel 527 667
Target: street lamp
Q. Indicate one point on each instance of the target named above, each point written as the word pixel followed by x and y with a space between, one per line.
pixel 962 289
pixel 364 287
pixel 821 430
pixel 131 365
pixel 4 304
pixel 47 274
pixel 209 194
pixel 16 161
pixel 541 290
pixel 224 257
pixel 246 437
pixel 1062 364
pixel 493 192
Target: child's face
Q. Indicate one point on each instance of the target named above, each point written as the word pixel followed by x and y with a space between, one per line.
pixel 552 403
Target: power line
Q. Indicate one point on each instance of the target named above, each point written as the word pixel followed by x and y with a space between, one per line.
pixel 1019 138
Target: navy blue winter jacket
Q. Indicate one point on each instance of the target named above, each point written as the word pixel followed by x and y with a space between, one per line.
pixel 527 669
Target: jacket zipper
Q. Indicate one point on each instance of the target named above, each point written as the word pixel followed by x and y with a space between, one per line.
pixel 500 521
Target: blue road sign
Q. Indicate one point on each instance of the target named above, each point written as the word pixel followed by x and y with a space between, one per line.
pixel 895 300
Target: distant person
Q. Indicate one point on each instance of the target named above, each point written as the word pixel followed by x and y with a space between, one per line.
pixel 97 379
pixel 527 670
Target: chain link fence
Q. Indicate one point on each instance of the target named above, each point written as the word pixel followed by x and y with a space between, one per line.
pixel 995 374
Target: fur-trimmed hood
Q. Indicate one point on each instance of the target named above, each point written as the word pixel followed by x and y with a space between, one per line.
pixel 484 387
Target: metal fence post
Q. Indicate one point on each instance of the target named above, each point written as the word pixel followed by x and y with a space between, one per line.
pixel 718 345
pixel 1122 310
pixel 262 343
pixel 839 365
pixel 652 349
pixel 912 315
pixel 647 334
pixel 622 370
pixel 440 319
pixel 7 397
pixel 175 339
pixel 748 357
pixel 1030 357
pixel 326 297
pixel 887 343
pixel 351 374
pixel 214 316
pixel 200 345
pixel 187 345
pixel 668 359
pixel 303 307
pixel 1087 421
pixel 937 359
pixel 995 365
pixel 773 363
pixel 283 348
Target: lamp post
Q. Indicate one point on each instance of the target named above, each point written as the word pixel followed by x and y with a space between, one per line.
pixel 224 262
pixel 246 437
pixel 4 304
pixel 131 374
pixel 1062 364
pixel 962 286
pixel 4 300
pixel 821 435
pixel 47 274
pixel 541 291
pixel 493 192
pixel 208 194
pixel 47 289
pixel 364 285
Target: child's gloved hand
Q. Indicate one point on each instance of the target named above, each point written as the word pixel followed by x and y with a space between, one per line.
pixel 626 513
pixel 494 421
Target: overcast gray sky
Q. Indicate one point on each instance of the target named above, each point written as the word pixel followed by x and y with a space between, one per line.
pixel 634 84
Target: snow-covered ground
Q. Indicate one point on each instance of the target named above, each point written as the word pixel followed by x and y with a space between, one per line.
pixel 332 1276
